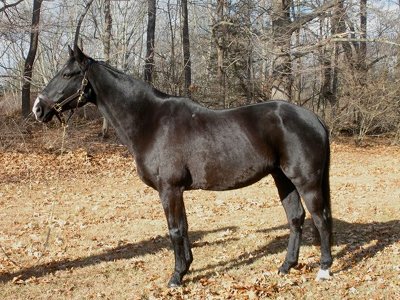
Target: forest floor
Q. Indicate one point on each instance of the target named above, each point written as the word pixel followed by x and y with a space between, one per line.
pixel 81 225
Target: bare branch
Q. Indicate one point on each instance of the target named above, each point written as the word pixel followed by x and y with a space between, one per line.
pixel 6 6
pixel 381 41
pixel 78 27
pixel 299 22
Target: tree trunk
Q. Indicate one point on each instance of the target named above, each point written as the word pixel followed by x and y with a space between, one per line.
pixel 249 90
pixel 151 28
pixel 173 80
pixel 219 38
pixel 186 48
pixel 80 21
pixel 328 89
pixel 282 69
pixel 363 36
pixel 106 43
pixel 362 49
pixel 339 28
pixel 107 30
pixel 283 27
pixel 297 65
pixel 330 71
pixel 30 59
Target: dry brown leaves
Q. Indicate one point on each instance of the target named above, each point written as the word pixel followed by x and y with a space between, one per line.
pixel 82 225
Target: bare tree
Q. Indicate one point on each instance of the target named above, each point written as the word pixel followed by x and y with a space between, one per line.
pixel 171 71
pixel 107 30
pixel 316 53
pixel 219 34
pixel 281 36
pixel 283 28
pixel 329 86
pixel 6 6
pixel 151 27
pixel 106 43
pixel 80 21
pixel 363 36
pixel 186 48
pixel 30 59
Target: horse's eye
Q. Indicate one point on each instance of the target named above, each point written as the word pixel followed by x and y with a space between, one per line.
pixel 66 75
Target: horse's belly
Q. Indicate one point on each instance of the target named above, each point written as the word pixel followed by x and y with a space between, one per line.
pixel 226 177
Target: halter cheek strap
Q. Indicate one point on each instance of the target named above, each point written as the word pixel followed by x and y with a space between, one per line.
pixel 79 94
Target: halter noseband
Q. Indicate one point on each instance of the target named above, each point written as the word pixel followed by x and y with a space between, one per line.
pixel 79 94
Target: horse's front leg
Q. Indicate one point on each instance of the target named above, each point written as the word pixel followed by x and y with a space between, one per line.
pixel 174 208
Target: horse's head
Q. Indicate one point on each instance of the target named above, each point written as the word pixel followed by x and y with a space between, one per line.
pixel 68 89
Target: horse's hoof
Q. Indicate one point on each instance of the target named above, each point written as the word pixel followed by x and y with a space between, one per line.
pixel 283 271
pixel 175 281
pixel 323 275
pixel 285 268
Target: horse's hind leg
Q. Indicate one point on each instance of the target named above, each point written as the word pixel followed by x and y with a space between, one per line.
pixel 295 214
pixel 174 208
pixel 313 198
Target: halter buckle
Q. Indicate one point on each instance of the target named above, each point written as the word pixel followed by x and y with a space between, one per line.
pixel 81 91
pixel 57 107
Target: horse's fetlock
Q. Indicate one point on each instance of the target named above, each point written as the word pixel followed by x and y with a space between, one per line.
pixel 286 266
pixel 175 234
pixel 175 281
pixel 326 263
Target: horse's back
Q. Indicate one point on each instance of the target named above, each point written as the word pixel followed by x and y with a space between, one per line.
pixel 232 148
pixel 285 136
pixel 280 127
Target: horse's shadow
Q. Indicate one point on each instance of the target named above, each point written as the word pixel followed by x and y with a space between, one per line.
pixel 126 251
pixel 360 241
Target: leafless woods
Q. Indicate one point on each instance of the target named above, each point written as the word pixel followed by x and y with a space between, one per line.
pixel 339 58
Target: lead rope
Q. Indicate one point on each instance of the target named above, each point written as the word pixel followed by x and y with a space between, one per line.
pixel 63 136
pixel 50 218
pixel 51 213
pixel 53 203
pixel 15 263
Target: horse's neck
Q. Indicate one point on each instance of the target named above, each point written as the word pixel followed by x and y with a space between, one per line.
pixel 125 103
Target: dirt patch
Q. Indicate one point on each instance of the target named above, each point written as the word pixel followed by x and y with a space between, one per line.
pixel 82 225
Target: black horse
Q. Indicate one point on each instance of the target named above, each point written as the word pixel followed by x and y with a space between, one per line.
pixel 179 145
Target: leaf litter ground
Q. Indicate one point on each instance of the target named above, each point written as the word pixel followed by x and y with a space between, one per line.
pixel 81 225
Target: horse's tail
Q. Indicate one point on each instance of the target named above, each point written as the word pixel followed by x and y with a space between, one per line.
pixel 326 194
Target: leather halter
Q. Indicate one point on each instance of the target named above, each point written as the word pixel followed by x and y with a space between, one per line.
pixel 79 94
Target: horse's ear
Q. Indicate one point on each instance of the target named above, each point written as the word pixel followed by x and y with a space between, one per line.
pixel 81 58
pixel 70 51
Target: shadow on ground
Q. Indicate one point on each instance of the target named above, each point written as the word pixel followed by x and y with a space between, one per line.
pixel 126 251
pixel 360 240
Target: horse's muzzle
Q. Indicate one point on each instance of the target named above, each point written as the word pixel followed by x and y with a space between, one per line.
pixel 42 109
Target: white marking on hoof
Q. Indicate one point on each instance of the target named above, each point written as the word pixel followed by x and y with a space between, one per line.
pixel 323 275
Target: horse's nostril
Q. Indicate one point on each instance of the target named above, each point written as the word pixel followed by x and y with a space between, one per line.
pixel 37 109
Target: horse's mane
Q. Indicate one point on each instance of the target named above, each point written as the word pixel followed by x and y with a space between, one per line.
pixel 161 94
pixel 104 64
pixel 156 91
